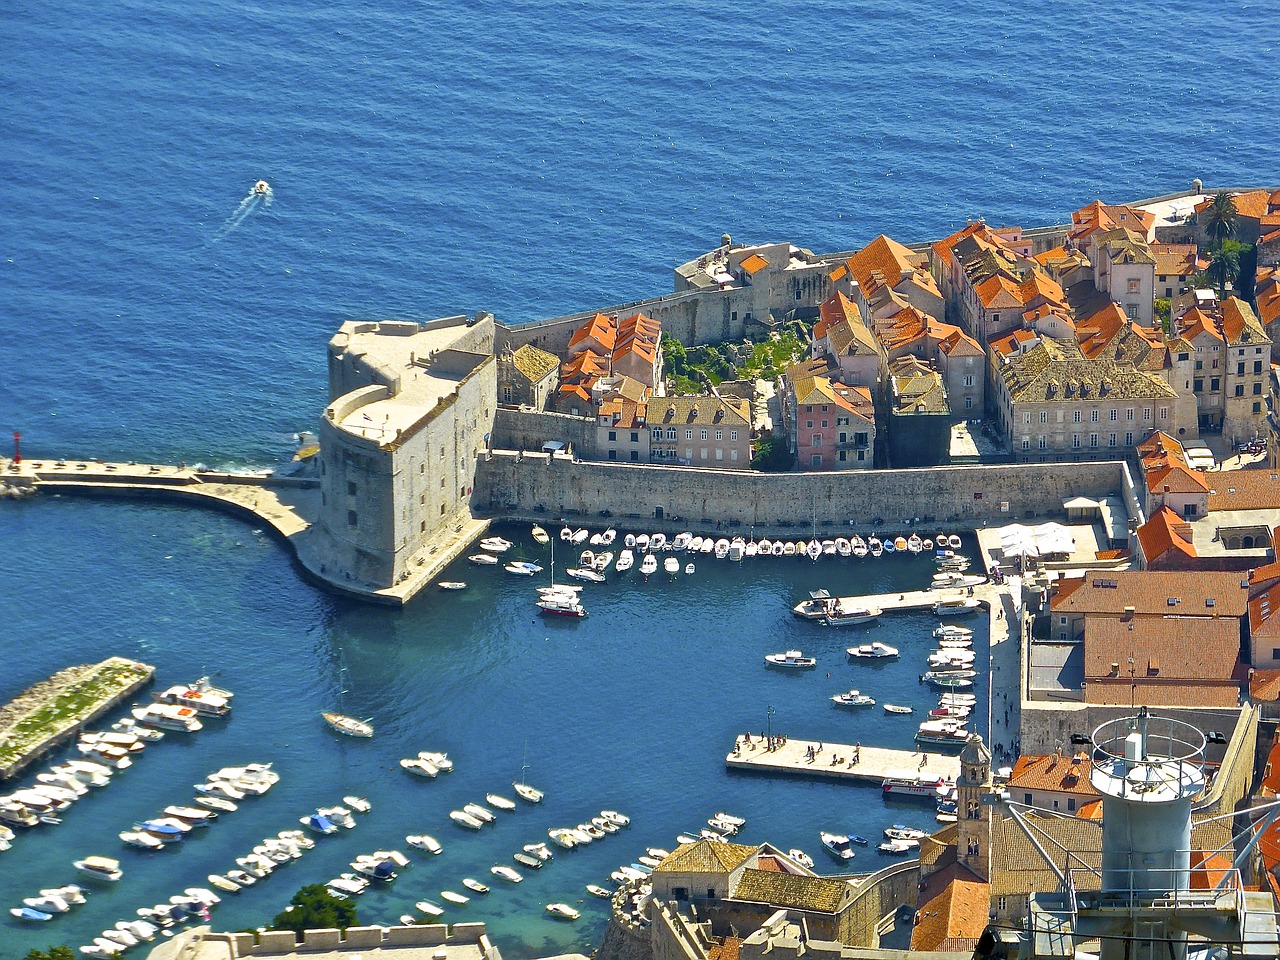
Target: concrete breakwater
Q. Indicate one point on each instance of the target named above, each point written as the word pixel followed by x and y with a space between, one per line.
pixel 51 712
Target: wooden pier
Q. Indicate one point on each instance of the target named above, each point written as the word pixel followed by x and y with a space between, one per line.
pixel 873 765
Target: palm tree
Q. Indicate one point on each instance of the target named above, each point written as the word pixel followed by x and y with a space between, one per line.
pixel 1224 265
pixel 1219 218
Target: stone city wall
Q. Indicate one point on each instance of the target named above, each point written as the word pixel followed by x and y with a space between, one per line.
pixel 878 896
pixel 953 497
pixel 271 943
pixel 528 430
pixel 1046 726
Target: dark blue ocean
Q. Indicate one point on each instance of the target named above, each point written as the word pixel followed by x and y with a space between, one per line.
pixel 531 159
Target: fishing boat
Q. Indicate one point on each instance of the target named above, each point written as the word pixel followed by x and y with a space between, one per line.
pixel 800 857
pixel 348 726
pixel 875 546
pixel 737 549
pixel 671 565
pixel 539 535
pixel 475 886
pixel 889 546
pixel 721 548
pixel 688 569
pixel 100 868
pixel 649 564
pixel 950 679
pixel 562 911
pixel 914 543
pixel 837 844
pixel 853 699
pixel 483 559
pixel 960 607
pixel 510 874
pixel 452 585
pixel 522 568
pixel 465 820
pixel 842 616
pixel 626 560
pixel 598 891
pixel 872 651
pixel 790 660
pixel 585 574
pixel 613 816
pixel 894 708
pixel 424 842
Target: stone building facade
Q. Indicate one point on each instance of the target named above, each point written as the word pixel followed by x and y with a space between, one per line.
pixel 410 407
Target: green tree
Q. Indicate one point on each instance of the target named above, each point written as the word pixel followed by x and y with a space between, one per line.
pixel 772 456
pixel 1219 218
pixel 53 953
pixel 675 359
pixel 313 908
pixel 1163 306
pixel 1224 264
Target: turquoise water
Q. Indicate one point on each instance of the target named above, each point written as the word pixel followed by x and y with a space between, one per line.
pixel 633 708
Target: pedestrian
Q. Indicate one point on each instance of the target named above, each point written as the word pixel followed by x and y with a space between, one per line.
pixel 819 746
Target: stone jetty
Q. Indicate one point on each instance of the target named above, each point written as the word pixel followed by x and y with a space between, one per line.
pixel 872 766
pixel 53 711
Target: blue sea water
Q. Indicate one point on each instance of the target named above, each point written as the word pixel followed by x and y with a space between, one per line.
pixel 530 158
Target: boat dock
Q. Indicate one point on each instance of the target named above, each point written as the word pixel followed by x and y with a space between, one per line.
pixel 872 766
pixel 54 711
pixel 916 599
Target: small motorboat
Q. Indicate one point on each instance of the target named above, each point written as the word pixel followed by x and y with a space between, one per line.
pixel 225 884
pixel 31 913
pixel 510 874
pixel 261 188
pixel 608 537
pixel 563 837
pixel 649 564
pixel 790 660
pixel 613 816
pixel 47 903
pixel 853 699
pixel 348 726
pixel 840 616
pixel 800 857
pixel 959 607
pixel 419 767
pixel 540 536
pixel 319 823
pixel 522 568
pixel 141 840
pixel 898 846
pixel 539 850
pixel 723 827
pixel 424 842
pixel 901 832
pixel 651 862
pixel 429 908
pixel 475 886
pixel 465 820
pixel 671 565
pixel 688 569
pixel 598 891
pixel 483 559
pixel 241 877
pixel 894 708
pixel 524 860
pixel 837 844
pixel 480 812
pixel 951 630
pixel 439 760
pixel 872 651
pixel 526 792
pixel 452 585
pixel 100 868
pixel 495 544
pixel 657 853
pixel 580 535
pixel 626 560
pixel 217 803
pixel 453 897
pixel 566 533
pixel 585 574
pixel 562 911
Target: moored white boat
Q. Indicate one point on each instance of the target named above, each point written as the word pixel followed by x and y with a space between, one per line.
pixel 348 726
pixel 424 842
pixel 100 868
pixel 475 886
pixel 563 911
pixel 522 568
pixel 626 560
pixel 585 574
pixel 959 607
pixel 169 717
pixel 837 844
pixel 872 651
pixel 205 704
pixel 671 565
pixel 495 544
pixel 526 792
pixel 561 606
pixel 842 616
pixel 800 857
pixel 894 708
pixel 499 801
pixel 510 874
pixel 465 820
pixel 853 699
pixel 790 660
pixel 419 767
pixel 483 559
pixel 649 564
pixel 540 535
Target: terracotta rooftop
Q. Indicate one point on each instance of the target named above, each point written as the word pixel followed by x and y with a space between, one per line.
pixel 887 263
pixel 835 307
pixel 1123 245
pixel 603 329
pixel 1254 203
pixel 1055 371
pixel 1263 607
pixel 1177 259
pixel 1244 490
pixel 700 410
pixel 1171 648
pixel 1165 533
pixel 1221 694
pixel 1052 772
pixel 754 264
pixel 1018 865
pixel 955 918
pixel 1267 293
pixel 792 891
pixel 1264 687
pixel 1149 592
pixel 706 856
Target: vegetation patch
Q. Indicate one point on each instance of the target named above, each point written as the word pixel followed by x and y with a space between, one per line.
pixel 694 368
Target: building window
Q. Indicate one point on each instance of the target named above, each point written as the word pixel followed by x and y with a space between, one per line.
pixel 815 440
pixel 1164 413
pixel 1075 441
pixel 1240 370
pixel 808 409
pixel 1026 417
pixel 968 380
pixel 351 518
pixel 968 403
pixel 671 433
pixel 1044 416
pixel 733 455
pixel 1215 383
pixel 613 436
pixel 1257 366
pixel 351 488
pixel 704 435
pixel 1128 439
pixel 824 423
pixel 1111 440
pixel 719 454
pixel 973 810
pixel 1128 415
pixel 733 435
pixel 1257 408
pixel 1026 443
pixel 1093 439
pixel 422 467
pixel 1146 413
pixel 1199 386
pixel 635 436
pixel 824 410
pixel 1257 389
pixel 635 454
pixel 1134 285
pixel 506 394
pixel 1131 311
pixel 1239 389
pixel 613 454
pixel 1093 416
pixel 1115 415
pixel 1002 904
pixel 688 434
pixel 1075 417
pixel 1044 443
pixel 703 453
pixel 816 460
pixel 422 527
pixel 809 424
pixel 719 434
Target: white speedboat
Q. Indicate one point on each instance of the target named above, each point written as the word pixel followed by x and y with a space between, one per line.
pixel 100 868
pixel 682 541
pixel 465 820
pixel 837 844
pixel 900 832
pixel 649 564
pixel 191 815
pixel 561 606
pixel 709 545
pixel 429 908
pixel 348 726
pixel 453 897
pixel 872 651
pixel 495 544
pixel 790 660
pixel 483 559
pixel 843 547
pixel 626 560
pixel 657 541
pixel 813 549
pixel 475 886
pixel 66 781
pixel 539 535
pixel 47 903
pixel 562 911
pixel 752 549
pixel 959 607
pixel 819 605
pixel 779 549
pixel 522 568
pixel 539 850
pixel 452 585
pixel 688 569
pixel 566 533
pixel 580 536
pixel 800 857
pixel 510 874
pixel 598 891
pixel 828 548
pixel 424 842
pixel 358 804
pixel 560 590
pixel 603 561
pixel 169 717
pixel 853 699
pixel 585 574
pixel 951 630
pixel 563 837
pixel 608 536
pixel 737 549
pixel 223 883
pixel 842 616
pixel 339 815
pixel 527 861
pixel 241 877
pixel 898 846
pixel 587 558
pixel 721 548
pixel 671 565
pixel 695 545
pixel 894 708
pixel 203 703
pixel 419 767
pixel 499 801
pixel 621 819
pixel 951 657
pixel 217 803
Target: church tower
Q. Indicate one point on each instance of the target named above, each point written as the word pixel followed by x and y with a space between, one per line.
pixel 973 817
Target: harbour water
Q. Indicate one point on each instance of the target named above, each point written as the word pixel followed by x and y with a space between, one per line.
pixel 633 708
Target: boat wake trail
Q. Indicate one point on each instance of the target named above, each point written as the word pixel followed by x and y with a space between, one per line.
pixel 256 199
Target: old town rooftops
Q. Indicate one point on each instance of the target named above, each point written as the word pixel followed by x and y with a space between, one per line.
pixel 706 856
pixel 704 410
pixel 1056 371
pixel 1200 593
pixel 1052 772
pixel 1166 532
pixel 532 363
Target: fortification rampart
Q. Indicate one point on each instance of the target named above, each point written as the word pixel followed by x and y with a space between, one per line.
pixel 878 896
pixel 961 497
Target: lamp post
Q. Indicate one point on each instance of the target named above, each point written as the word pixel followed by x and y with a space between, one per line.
pixel 769 722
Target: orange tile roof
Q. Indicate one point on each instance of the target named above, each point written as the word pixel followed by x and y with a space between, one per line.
pixel 1110 591
pixel 943 248
pixel 726 949
pixel 1163 649
pixel 1208 869
pixel 959 344
pixel 1195 322
pixel 1267 293
pixel 1117 693
pixel 1238 322
pixel 1254 204
pixel 586 365
pixel 575 390
pixel 624 414
pixel 1176 478
pixel 1042 286
pixel 1052 772
pixel 839 273
pixel 1177 259
pixel 885 262
pixel 1263 608
pixel 954 919
pixel 1090 811
pixel 1165 533
pixel 1244 490
pixel 1271 772
pixel 998 292
pixel 1098 216
pixel 603 329
pixel 1011 343
pixel 835 307
pixel 1097 332
pixel 754 264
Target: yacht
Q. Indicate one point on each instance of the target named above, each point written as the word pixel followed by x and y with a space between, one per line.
pixel 649 564
pixel 837 844
pixel 441 760
pixel 495 544
pixel 563 837
pixel 526 792
pixel 608 537
pixel 339 815
pixel 943 732
pixel 144 841
pixel 561 606
pixel 585 574
pixel 419 767
pixel 100 868
pixel 959 607
pixel 813 549
pixel 951 630
pixel 791 660
pixel 951 657
pixel 626 560
pixel 465 820
pixel 319 823
pixel 522 568
pixel 169 717
pixel 425 842
pixel 539 850
pixel 598 891
pixel 562 911
pixel 853 699
pixel 641 542
pixel 898 846
pixel 220 790
pixel 348 726
pixel 872 651
pixel 197 818
pixel 603 561
pixel 499 801
pixel 950 679
pixel 202 703
pixel 900 832
pixel 483 559
pixel 819 606
pixel 657 541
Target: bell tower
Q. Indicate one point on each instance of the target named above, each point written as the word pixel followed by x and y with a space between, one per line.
pixel 973 817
